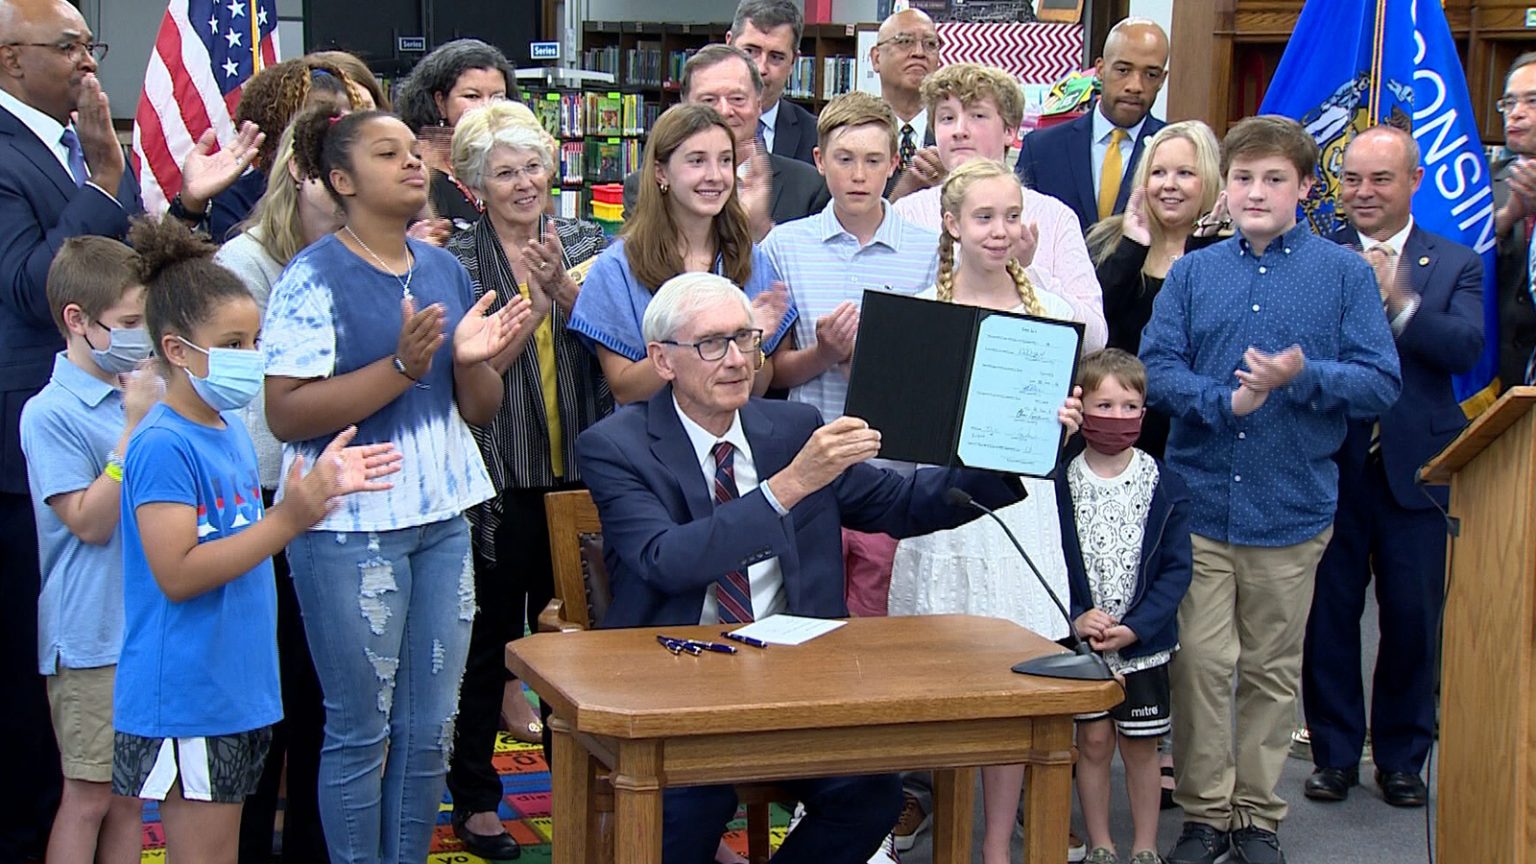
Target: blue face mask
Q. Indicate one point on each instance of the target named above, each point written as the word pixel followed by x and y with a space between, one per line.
pixel 129 346
pixel 235 376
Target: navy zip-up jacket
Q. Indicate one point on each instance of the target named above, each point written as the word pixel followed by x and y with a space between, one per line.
pixel 1166 565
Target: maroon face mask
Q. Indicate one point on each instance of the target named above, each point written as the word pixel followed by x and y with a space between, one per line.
pixel 1110 435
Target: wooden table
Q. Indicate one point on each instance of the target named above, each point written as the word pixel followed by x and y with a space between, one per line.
pixel 876 695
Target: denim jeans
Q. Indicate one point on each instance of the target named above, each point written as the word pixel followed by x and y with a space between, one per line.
pixel 388 616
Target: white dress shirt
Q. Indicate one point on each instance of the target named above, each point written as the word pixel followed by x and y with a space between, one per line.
pixel 765 578
pixel 49 131
pixel 1394 244
pixel 1102 128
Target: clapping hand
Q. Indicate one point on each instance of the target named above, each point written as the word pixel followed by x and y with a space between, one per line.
pixel 421 334
pixel 481 335
pixel 142 388
pixel 1391 281
pixel 1028 243
pixel 435 231
pixel 545 260
pixel 206 172
pixel 98 141
pixel 835 333
pixel 1216 221
pixel 1135 225
pixel 1266 372
pixel 768 309
pixel 339 470
pixel 754 188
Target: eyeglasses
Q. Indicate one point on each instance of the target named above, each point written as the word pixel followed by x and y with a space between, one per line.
pixel 72 50
pixel 533 171
pixel 715 347
pixel 1508 101
pixel 906 43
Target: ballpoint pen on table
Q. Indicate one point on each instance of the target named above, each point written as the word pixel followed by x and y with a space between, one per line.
pixel 745 640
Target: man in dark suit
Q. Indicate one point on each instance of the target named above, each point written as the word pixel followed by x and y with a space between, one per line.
pixel 58 177
pixel 905 53
pixel 1386 525
pixel 725 78
pixel 721 508
pixel 769 31
pixel 1514 189
pixel 1087 163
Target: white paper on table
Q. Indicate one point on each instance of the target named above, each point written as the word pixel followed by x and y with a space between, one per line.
pixel 788 629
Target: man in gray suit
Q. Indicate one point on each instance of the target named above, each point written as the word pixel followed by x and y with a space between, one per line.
pixel 726 79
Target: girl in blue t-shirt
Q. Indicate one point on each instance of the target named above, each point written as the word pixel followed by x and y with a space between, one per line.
pixel 197 683
pixel 371 329
pixel 688 217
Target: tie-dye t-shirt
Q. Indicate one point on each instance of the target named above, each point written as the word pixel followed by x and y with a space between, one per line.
pixel 332 313
pixel 206 665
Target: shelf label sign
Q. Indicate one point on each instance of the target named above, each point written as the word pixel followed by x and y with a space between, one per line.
pixel 544 50
pixel 416 44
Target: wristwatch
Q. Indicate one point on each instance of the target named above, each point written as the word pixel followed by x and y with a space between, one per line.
pixel 178 210
pixel 400 367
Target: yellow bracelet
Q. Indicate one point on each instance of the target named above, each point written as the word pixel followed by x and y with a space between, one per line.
pixel 114 471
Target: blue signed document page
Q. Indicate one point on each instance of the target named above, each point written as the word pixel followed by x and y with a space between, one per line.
pixel 1021 372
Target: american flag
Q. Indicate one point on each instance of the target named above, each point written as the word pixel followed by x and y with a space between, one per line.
pixel 204 53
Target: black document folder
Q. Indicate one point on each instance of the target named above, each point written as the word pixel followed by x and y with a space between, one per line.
pixel 914 366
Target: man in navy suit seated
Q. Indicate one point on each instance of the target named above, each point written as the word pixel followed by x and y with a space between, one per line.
pixel 720 508
pixel 1387 526
pixel 769 31
pixel 1086 163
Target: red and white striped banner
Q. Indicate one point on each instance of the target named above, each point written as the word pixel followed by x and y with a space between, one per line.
pixel 1034 53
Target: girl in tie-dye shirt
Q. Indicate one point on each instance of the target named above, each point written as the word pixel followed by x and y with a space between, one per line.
pixel 368 327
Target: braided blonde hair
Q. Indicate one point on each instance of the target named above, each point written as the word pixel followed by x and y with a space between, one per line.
pixel 951 198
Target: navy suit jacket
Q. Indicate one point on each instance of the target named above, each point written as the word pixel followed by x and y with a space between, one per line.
pixel 794 132
pixel 40 208
pixel 1444 337
pixel 1059 162
pixel 798 190
pixel 665 541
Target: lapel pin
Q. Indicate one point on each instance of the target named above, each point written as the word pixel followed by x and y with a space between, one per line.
pixel 1424 261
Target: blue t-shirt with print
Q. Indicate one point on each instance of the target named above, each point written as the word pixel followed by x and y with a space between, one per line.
pixel 611 305
pixel 332 313
pixel 206 665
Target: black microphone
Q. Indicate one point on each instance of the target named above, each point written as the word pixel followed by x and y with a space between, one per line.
pixel 1082 664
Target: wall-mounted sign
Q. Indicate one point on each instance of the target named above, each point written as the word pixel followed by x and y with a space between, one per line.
pixel 544 50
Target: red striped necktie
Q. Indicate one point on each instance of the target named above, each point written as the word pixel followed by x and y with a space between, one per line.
pixel 732 591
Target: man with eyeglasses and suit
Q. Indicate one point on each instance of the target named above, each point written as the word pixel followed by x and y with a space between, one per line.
pixel 1514 190
pixel 905 53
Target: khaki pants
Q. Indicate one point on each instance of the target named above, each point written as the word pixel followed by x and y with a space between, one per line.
pixel 1245 613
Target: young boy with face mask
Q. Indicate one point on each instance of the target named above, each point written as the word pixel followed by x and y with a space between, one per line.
pixel 1125 535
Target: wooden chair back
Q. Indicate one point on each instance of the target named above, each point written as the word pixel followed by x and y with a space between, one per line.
pixel 576 551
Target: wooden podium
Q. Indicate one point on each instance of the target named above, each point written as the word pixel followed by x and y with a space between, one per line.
pixel 1486 795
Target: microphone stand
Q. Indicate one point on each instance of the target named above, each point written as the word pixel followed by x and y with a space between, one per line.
pixel 1081 664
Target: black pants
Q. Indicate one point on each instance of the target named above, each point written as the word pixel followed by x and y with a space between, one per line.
pixel 510 597
pixel 30 795
pixel 295 742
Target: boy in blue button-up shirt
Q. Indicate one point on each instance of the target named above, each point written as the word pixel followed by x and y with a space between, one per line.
pixel 1259 348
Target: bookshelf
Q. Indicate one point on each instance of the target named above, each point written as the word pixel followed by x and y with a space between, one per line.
pixel 827 65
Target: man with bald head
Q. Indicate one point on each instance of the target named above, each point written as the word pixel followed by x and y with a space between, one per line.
pixel 1087 163
pixel 62 175
pixel 1386 525
pixel 905 53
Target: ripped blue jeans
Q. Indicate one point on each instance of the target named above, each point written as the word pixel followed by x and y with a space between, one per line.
pixel 388 616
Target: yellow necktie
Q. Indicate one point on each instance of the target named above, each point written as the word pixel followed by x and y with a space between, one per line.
pixel 1109 178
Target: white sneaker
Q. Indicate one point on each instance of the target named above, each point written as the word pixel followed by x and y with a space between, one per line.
pixel 886 854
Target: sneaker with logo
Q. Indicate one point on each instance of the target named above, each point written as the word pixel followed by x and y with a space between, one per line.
pixel 1199 843
pixel 1102 855
pixel 912 822
pixel 1254 845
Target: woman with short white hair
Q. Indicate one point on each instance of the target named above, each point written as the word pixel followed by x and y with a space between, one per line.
pixel 554 389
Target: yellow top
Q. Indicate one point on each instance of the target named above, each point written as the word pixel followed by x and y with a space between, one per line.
pixel 544 350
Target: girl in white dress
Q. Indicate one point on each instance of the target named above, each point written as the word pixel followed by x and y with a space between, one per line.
pixel 973 569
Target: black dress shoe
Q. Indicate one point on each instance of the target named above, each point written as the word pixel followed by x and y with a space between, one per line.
pixel 491 847
pixel 1331 784
pixel 1401 789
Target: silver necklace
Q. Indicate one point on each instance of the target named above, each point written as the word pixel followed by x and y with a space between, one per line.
pixel 410 262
